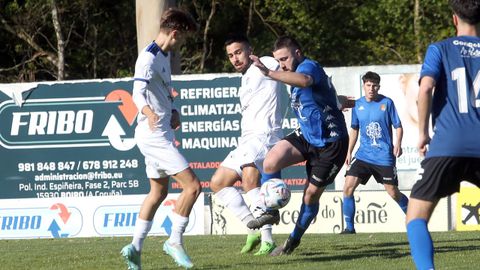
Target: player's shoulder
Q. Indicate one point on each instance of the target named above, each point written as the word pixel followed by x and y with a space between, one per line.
pixel 384 99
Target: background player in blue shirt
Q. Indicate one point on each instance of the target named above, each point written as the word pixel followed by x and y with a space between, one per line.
pixel 321 140
pixel 373 117
pixel 452 68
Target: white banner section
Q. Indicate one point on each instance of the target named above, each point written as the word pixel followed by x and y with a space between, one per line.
pixel 376 211
pixel 89 217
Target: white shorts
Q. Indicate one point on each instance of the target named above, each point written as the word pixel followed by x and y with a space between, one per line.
pixel 251 149
pixel 162 158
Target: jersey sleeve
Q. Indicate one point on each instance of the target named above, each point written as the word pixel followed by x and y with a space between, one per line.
pixel 310 69
pixel 432 64
pixel 392 111
pixel 141 79
pixel 355 124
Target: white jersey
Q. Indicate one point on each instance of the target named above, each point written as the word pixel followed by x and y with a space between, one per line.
pixel 260 101
pixel 152 87
pixel 261 118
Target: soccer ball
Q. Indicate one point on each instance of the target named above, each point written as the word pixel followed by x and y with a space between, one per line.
pixel 275 193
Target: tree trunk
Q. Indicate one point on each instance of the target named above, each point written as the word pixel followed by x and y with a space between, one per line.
pixel 60 42
pixel 417 29
pixel 149 13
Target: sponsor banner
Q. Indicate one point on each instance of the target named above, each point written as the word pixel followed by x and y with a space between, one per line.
pixel 76 139
pixel 89 217
pixel 468 209
pixel 375 212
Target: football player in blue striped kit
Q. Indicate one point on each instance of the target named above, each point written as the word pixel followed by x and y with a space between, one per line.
pixel 321 140
pixel 449 92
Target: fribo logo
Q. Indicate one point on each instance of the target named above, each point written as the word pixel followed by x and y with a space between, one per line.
pixel 53 122
pixel 55 221
pixel 121 219
pixel 69 122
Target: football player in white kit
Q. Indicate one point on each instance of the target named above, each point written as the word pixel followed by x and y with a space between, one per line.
pixel 260 130
pixel 154 136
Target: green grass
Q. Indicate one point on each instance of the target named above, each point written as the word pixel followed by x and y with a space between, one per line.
pixel 454 250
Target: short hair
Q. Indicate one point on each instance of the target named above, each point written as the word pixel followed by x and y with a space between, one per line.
pixel 235 37
pixel 177 19
pixel 467 10
pixel 371 77
pixel 286 42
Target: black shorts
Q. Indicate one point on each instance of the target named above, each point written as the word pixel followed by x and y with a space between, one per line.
pixel 364 170
pixel 439 177
pixel 323 164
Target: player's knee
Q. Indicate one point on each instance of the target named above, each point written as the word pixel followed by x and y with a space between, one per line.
pixel 269 167
pixel 193 188
pixel 216 183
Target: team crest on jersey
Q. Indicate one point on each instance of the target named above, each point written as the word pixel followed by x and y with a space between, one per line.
pixel 383 107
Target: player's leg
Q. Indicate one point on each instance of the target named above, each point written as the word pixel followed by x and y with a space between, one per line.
pixel 222 184
pixel 398 196
pixel 387 175
pixel 158 192
pixel 351 183
pixel 421 244
pixel 250 182
pixel 322 166
pixel 191 188
pixel 282 155
pixel 437 177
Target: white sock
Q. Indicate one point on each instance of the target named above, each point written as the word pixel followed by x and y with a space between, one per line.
pixel 179 223
pixel 266 232
pixel 232 199
pixel 142 227
pixel 255 202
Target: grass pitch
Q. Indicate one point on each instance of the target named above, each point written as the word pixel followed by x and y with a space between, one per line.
pixel 453 250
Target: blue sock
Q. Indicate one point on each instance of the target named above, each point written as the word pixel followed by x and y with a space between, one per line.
pixel 307 213
pixel 421 244
pixel 403 203
pixel 349 212
pixel 268 176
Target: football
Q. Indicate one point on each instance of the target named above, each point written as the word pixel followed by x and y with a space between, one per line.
pixel 275 193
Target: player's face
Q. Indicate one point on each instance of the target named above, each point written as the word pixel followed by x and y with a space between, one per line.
pixel 238 53
pixel 287 58
pixel 371 90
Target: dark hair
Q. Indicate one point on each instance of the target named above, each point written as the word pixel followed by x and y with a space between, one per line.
pixel 232 38
pixel 371 77
pixel 177 19
pixel 467 10
pixel 286 42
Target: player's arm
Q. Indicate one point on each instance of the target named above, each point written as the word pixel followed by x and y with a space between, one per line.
pixel 427 84
pixel 351 144
pixel 397 147
pixel 291 78
pixel 139 93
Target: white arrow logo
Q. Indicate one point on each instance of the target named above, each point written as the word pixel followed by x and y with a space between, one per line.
pixel 114 132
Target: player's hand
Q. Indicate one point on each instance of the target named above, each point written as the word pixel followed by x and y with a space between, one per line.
pixel 153 119
pixel 397 151
pixel 175 120
pixel 259 64
pixel 346 102
pixel 423 141
pixel 348 159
